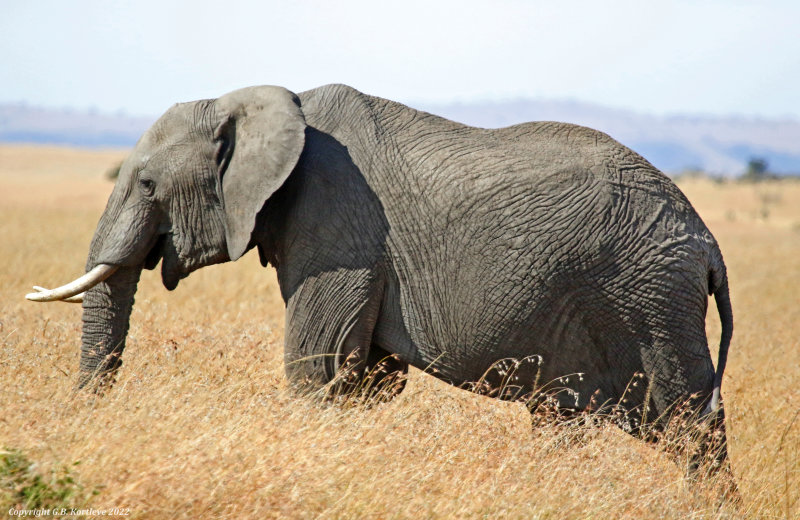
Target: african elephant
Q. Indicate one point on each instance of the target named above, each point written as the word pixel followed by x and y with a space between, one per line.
pixel 497 259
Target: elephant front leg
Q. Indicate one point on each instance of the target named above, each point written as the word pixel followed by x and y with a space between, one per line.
pixel 375 376
pixel 330 319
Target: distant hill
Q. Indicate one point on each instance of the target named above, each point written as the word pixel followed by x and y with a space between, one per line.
pixel 718 145
pixel 21 123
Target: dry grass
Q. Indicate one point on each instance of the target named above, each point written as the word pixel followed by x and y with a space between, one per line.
pixel 202 425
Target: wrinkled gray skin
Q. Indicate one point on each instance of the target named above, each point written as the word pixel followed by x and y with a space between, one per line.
pixel 396 231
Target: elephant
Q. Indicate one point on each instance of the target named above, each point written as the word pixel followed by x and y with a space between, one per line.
pixel 543 257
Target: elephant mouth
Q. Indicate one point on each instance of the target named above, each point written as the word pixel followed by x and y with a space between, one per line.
pixel 155 253
pixel 173 268
pixel 171 273
pixel 163 250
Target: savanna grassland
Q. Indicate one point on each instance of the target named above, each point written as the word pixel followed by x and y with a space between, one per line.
pixel 201 424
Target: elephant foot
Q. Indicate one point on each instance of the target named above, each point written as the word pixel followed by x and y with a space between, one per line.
pixel 709 451
pixel 698 444
pixel 378 380
pixel 101 379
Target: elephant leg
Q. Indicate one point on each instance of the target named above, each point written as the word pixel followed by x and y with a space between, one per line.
pixel 712 452
pixel 372 374
pixel 330 318
pixel 680 378
pixel 384 375
pixel 711 459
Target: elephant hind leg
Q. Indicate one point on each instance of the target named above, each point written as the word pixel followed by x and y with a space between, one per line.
pixel 680 382
pixel 698 442
pixel 713 449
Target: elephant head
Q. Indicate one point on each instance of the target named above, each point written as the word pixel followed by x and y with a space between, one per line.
pixel 187 195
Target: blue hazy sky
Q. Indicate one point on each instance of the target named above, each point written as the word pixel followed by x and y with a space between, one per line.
pixel 709 57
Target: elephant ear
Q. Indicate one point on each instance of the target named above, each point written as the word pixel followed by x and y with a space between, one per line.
pixel 259 140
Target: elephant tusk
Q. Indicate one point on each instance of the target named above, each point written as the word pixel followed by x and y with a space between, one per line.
pixel 72 291
pixel 78 298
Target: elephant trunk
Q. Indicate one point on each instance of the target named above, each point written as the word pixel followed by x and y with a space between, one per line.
pixel 106 312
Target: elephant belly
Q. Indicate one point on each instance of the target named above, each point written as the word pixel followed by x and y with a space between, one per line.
pixel 495 349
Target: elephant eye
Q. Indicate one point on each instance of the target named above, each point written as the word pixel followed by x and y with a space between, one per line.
pixel 147 186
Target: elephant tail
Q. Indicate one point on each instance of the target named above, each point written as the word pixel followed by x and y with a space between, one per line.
pixel 718 282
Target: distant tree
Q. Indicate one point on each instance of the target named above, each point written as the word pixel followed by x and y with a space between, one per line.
pixel 694 172
pixel 757 168
pixel 113 172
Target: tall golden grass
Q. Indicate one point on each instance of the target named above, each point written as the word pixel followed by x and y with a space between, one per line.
pixel 201 423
